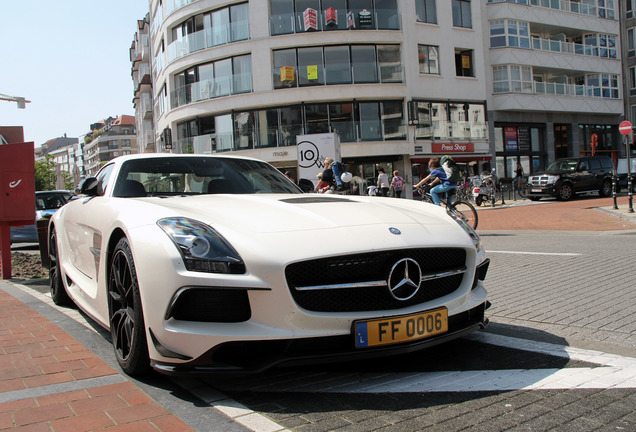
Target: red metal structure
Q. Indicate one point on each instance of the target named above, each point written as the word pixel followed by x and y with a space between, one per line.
pixel 17 196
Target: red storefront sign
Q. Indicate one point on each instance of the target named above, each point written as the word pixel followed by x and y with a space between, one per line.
pixel 453 147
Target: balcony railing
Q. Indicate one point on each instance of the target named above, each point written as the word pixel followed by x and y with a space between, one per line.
pixel 574 48
pixel 207 38
pixel 382 19
pixel 566 6
pixel 560 89
pixel 239 83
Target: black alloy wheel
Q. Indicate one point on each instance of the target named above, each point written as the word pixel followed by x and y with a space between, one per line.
pixel 127 327
pixel 606 189
pixel 56 286
pixel 565 192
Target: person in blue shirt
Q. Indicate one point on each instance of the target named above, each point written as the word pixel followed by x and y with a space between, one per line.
pixel 438 179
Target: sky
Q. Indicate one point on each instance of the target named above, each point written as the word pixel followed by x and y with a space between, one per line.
pixel 70 58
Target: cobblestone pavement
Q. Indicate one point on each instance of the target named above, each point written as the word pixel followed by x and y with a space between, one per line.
pixel 560 353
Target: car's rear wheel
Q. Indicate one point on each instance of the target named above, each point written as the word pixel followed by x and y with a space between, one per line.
pixel 565 192
pixel 56 286
pixel 127 327
pixel 606 188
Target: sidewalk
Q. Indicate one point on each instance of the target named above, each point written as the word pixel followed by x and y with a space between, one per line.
pixel 50 381
pixel 581 214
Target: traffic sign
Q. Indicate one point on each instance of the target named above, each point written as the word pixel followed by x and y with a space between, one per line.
pixel 625 127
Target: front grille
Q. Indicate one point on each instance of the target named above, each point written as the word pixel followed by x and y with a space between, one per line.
pixel 538 181
pixel 370 267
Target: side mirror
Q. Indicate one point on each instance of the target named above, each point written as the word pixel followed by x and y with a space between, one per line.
pixel 88 186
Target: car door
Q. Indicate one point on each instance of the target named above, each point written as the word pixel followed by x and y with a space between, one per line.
pixel 84 222
pixel 584 176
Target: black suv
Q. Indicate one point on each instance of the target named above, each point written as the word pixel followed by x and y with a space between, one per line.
pixel 567 177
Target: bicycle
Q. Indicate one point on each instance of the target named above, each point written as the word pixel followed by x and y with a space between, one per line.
pixel 461 209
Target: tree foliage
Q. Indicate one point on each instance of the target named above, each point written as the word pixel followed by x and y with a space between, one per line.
pixel 46 177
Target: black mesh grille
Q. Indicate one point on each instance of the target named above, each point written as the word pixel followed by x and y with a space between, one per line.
pixel 369 267
pixel 212 305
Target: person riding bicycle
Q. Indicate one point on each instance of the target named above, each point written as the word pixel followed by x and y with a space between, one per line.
pixel 438 177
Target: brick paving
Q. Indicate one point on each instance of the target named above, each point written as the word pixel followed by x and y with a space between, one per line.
pixel 596 214
pixel 51 382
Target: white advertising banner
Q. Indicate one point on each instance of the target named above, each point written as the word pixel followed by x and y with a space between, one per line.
pixel 312 151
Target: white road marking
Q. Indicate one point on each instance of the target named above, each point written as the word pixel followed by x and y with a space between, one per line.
pixel 534 253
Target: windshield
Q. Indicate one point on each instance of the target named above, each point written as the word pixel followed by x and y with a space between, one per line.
pixel 51 200
pixel 200 175
pixel 568 165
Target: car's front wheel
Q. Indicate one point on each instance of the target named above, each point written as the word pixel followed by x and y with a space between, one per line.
pixel 127 327
pixel 606 188
pixel 565 192
pixel 56 286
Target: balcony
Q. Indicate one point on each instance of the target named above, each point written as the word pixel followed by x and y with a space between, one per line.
pixel 208 38
pixel 584 7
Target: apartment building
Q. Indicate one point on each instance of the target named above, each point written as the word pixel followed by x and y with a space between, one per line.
pixel 142 83
pixel 400 81
pixel 555 80
pixel 108 139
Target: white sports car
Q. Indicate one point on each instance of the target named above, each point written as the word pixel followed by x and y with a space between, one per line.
pixel 201 264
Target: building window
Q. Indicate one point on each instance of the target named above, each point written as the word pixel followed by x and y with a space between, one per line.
pixel 512 79
pixel 210 80
pixel 340 64
pixel 602 85
pixel 509 33
pixel 300 16
pixel 279 126
pixel 426 11
pixel 428 56
pixel 461 14
pixel 600 45
pixel 631 42
pixel 451 120
pixel 464 62
pixel 221 26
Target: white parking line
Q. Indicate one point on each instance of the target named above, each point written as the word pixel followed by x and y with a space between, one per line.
pixel 534 253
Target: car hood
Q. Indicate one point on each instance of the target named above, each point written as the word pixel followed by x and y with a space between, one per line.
pixel 287 213
pixel 550 172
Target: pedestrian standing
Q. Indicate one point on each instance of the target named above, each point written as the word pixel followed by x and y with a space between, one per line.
pixel 397 184
pixel 383 182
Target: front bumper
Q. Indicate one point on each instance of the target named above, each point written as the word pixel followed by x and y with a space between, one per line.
pixel 255 356
pixel 541 191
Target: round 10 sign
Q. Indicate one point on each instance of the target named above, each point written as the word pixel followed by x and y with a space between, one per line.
pixel 625 128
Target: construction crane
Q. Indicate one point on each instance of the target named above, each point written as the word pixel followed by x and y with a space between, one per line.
pixel 20 100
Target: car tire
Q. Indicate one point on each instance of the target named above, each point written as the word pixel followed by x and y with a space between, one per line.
pixel 125 314
pixel 565 192
pixel 56 285
pixel 606 189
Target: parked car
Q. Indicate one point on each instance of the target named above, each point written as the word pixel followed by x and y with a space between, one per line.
pixel 565 178
pixel 46 203
pixel 251 272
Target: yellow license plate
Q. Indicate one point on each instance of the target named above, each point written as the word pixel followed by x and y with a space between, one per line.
pixel 391 330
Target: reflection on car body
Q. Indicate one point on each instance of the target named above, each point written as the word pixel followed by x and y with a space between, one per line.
pixel 250 272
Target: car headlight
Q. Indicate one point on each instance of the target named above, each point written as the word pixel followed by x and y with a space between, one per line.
pixel 553 179
pixel 202 248
pixel 469 230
